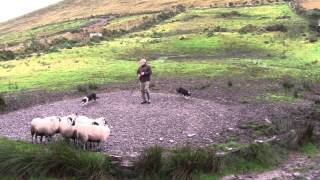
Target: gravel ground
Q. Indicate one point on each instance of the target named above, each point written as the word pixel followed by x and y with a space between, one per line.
pixel 169 120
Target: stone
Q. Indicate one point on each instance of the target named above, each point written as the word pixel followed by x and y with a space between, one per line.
pixel 161 139
pixel 134 155
pixel 191 135
pixel 268 121
pixel 230 177
pixel 297 175
pixel 220 153
pixel 171 141
pixel 229 148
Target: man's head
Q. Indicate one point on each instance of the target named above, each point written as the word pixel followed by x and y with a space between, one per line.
pixel 142 62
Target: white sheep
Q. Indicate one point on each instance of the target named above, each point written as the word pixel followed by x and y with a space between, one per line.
pixel 44 127
pixel 47 126
pixel 85 120
pixel 66 128
pixel 91 133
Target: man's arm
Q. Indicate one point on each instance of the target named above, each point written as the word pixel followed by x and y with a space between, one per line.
pixel 148 71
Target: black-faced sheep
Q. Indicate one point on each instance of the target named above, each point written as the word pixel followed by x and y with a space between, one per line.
pixel 66 128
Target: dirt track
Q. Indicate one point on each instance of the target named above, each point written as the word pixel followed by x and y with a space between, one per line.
pixel 134 126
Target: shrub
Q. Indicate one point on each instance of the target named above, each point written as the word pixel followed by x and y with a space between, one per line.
pixel 82 88
pixel 150 162
pixel 312 39
pixel 93 86
pixel 220 29
pixel 288 83
pixel 3 104
pixel 229 14
pixel 23 160
pixel 277 27
pixel 61 43
pixel 186 162
pixel 6 55
pixel 248 29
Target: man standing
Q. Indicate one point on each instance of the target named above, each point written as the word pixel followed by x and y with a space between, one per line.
pixel 144 72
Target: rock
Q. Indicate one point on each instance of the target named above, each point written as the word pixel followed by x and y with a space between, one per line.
pixel 230 129
pixel 116 158
pixel 268 121
pixel 258 141
pixel 230 177
pixel 171 141
pixel 297 175
pixel 229 148
pixel 134 155
pixel 191 135
pixel 161 139
pixel 220 154
pixel 127 164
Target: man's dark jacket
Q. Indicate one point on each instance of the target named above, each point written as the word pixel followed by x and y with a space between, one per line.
pixel 147 73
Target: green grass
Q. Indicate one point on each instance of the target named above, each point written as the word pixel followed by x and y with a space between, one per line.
pixel 256 55
pixel 18 37
pixel 310 149
pixel 20 159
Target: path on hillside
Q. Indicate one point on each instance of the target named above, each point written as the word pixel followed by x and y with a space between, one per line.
pixel 167 121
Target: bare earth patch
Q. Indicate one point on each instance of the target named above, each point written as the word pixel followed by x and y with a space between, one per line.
pixel 169 120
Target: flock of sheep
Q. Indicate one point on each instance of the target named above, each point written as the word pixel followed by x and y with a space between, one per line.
pixel 80 129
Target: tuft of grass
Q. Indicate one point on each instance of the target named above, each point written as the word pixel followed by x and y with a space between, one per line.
pixel 310 149
pixel 185 163
pixel 260 128
pixel 150 162
pixel 19 159
pixel 93 86
pixel 82 88
pixel 288 82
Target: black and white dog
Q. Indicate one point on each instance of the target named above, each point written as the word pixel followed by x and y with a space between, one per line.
pixel 88 98
pixel 184 92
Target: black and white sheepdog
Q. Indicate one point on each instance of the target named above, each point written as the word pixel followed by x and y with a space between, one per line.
pixel 91 97
pixel 184 92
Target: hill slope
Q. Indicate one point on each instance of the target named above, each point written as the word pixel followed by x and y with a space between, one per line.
pixel 71 9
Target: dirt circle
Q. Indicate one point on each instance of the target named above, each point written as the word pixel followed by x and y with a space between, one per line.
pixel 169 120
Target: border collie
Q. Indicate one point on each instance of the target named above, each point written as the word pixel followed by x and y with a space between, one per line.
pixel 184 92
pixel 88 98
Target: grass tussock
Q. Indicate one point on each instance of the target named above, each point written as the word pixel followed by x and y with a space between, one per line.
pixel 22 160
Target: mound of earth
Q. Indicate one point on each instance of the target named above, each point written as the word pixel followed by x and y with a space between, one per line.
pixel 168 121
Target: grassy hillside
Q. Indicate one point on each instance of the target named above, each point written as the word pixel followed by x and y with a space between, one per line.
pixel 198 43
pixel 71 9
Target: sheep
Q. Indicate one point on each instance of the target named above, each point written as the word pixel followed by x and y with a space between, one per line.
pixel 44 127
pixel 47 127
pixel 66 128
pixel 91 133
pixel 85 120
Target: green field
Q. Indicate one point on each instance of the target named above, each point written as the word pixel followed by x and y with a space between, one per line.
pixel 184 46
pixel 47 30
